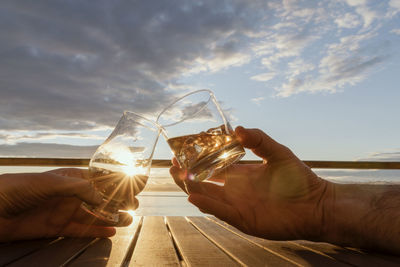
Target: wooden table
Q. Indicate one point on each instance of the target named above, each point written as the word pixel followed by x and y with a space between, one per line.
pixel 183 241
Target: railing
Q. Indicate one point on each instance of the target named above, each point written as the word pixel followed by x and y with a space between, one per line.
pixel 161 163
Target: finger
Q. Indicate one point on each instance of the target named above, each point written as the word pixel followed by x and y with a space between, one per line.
pixel 56 185
pixel 178 174
pixel 125 219
pixel 220 210
pixel 73 172
pixel 131 204
pixel 208 189
pixel 81 230
pixel 83 217
pixel 175 162
pixel 224 174
pixel 262 145
pixel 219 179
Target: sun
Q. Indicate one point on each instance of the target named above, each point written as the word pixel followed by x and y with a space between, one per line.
pixel 128 161
pixel 131 170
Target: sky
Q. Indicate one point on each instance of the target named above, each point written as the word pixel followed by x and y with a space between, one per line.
pixel 321 77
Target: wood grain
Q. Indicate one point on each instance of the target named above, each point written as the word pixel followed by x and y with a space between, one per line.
pixel 195 248
pixel 109 251
pixel 55 254
pixel 12 251
pixel 243 251
pixel 298 254
pixel 154 246
pixel 353 257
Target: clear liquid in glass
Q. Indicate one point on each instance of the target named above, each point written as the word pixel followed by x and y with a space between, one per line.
pixel 118 183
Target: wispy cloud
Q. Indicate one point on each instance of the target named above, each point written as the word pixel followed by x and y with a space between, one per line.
pixel 395 5
pixel 46 150
pixel 263 77
pixel 348 20
pixel 393 155
pixel 362 9
pixel 396 31
pixel 323 48
pixel 257 100
pixel 18 137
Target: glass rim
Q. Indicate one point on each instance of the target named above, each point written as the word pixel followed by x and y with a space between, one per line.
pixel 156 125
pixel 210 98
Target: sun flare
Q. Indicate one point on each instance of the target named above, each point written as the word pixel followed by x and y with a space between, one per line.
pixel 131 212
pixel 131 170
pixel 128 160
pixel 224 156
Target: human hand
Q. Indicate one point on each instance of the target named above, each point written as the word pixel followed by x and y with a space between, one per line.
pixel 37 205
pixel 280 199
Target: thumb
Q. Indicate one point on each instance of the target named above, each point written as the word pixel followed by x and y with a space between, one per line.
pixel 71 186
pixel 262 145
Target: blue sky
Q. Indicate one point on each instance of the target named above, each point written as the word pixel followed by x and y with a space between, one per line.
pixel 322 77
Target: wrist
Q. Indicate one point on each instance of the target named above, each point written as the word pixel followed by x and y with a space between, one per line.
pixel 344 211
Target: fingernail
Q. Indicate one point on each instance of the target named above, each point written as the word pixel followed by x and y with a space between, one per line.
pixel 239 129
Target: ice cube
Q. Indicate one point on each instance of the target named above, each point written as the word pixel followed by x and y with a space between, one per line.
pixel 198 148
pixel 215 131
pixel 191 152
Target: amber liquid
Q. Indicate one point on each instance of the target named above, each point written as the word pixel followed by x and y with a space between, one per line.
pixel 117 187
pixel 206 153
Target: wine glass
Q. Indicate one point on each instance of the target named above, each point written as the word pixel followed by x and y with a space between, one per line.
pixel 120 167
pixel 199 135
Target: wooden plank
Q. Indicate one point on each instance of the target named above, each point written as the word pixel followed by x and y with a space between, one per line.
pixel 195 248
pixel 353 257
pixel 166 163
pixel 109 251
pixel 298 254
pixel 12 251
pixel 388 257
pixel 154 246
pixel 55 254
pixel 243 251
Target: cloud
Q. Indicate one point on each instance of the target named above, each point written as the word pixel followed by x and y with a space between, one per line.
pixel 263 77
pixel 347 20
pixel 73 65
pixel 395 4
pixel 322 48
pixel 220 61
pixel 284 45
pixel 200 110
pixel 362 9
pixel 257 100
pixel 29 137
pixel 393 155
pixel 393 8
pixel 396 31
pixel 335 72
pixel 41 150
pixel 299 66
